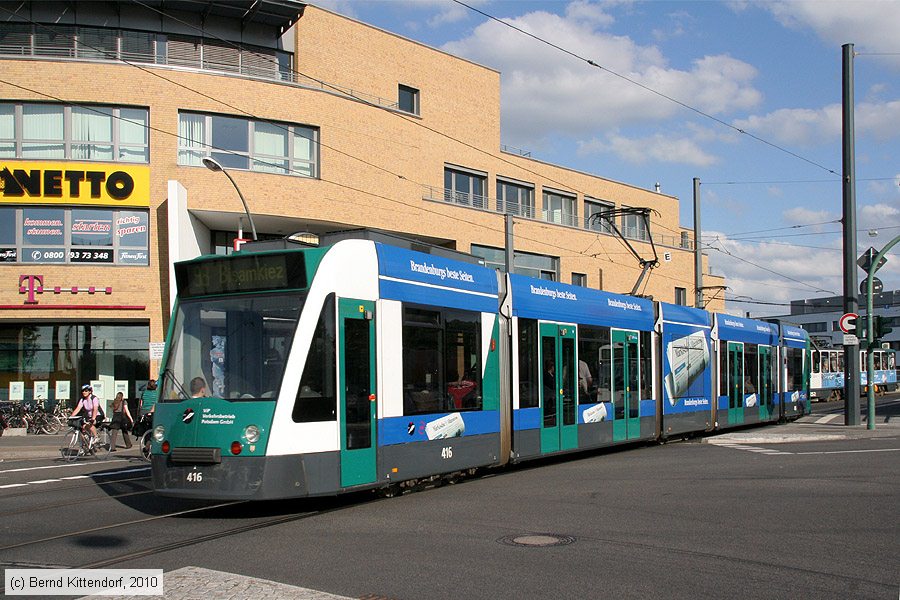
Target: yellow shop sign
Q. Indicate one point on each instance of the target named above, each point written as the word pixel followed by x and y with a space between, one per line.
pixel 98 184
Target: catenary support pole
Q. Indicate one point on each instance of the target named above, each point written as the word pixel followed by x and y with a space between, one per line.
pixel 851 302
pixel 698 253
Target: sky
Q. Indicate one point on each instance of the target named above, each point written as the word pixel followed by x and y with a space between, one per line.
pixel 745 96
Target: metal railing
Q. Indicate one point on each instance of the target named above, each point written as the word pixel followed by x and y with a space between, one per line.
pixel 252 63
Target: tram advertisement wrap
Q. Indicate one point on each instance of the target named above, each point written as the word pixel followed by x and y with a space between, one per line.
pixel 687 360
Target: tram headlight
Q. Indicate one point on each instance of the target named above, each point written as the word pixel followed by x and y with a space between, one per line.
pixel 251 433
pixel 159 433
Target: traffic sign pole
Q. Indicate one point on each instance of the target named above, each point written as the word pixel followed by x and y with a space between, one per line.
pixel 870 337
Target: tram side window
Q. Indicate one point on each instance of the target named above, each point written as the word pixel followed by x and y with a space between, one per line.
pixel 751 368
pixel 818 357
pixel 795 368
pixel 528 364
pixel 646 368
pixel 594 372
pixel 724 376
pixel 441 361
pixel 316 397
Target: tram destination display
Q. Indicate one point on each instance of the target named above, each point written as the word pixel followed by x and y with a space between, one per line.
pixel 253 273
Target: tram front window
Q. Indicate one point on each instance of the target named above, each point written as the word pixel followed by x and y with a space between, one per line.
pixel 237 345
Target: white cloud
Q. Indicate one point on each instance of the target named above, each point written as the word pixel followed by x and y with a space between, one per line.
pixel 880 216
pixel 547 91
pixel 870 25
pixel 805 216
pixel 812 127
pixel 659 148
pixel 775 272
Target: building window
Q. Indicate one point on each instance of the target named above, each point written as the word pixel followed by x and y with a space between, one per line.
pixel 408 99
pixel 524 263
pixel 681 296
pixel 100 43
pixel 32 234
pixel 65 355
pixel 515 199
pixel 634 227
pixel 560 208
pixel 87 132
pixel 815 327
pixel 464 187
pixel 238 143
pixel 595 207
pixel 579 279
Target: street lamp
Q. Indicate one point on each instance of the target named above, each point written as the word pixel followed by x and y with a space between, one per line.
pixel 213 165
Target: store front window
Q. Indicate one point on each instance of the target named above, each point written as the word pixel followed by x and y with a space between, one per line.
pixel 57 358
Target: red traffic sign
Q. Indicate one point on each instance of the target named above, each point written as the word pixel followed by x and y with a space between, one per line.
pixel 847 322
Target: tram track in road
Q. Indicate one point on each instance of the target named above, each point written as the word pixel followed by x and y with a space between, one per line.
pixel 173 544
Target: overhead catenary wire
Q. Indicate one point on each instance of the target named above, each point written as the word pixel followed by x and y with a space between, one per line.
pixel 649 89
pixel 400 176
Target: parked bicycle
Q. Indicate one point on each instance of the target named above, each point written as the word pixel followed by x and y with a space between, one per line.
pixel 42 421
pixel 80 443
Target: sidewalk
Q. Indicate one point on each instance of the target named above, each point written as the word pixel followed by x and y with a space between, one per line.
pixel 810 428
pixel 23 447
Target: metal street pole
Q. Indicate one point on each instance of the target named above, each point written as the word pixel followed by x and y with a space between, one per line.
pixel 213 165
pixel 698 254
pixel 851 303
pixel 870 335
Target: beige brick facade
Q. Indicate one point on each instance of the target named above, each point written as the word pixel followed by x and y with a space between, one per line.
pixel 378 167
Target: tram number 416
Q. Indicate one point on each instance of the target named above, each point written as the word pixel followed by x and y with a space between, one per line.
pixel 195 477
pixel 447 452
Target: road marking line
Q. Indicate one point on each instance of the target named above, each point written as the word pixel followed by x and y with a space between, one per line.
pixel 828 419
pixel 45 481
pixel 73 464
pixel 12 485
pixel 851 451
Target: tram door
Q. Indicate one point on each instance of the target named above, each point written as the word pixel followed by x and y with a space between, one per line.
pixel 357 391
pixel 766 408
pixel 559 382
pixel 626 392
pixel 735 383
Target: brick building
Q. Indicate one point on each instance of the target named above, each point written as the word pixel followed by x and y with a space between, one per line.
pixel 107 110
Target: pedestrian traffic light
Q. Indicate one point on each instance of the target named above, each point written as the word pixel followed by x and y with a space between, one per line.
pixel 880 327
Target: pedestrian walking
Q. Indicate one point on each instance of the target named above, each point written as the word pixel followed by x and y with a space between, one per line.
pixel 121 421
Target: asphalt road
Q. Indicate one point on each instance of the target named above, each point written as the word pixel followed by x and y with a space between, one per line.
pixel 742 516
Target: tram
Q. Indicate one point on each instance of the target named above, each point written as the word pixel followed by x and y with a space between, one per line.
pixel 827 376
pixel 363 365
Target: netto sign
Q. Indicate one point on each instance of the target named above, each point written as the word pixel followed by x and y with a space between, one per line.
pixel 74 183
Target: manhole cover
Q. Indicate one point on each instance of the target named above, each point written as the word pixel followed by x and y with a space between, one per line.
pixel 537 540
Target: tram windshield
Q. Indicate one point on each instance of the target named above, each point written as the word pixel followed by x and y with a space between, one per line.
pixel 230 347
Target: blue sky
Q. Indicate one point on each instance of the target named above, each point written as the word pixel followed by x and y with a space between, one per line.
pixel 772 69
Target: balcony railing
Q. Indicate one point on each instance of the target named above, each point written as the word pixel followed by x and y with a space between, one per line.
pixel 558 217
pixel 98 44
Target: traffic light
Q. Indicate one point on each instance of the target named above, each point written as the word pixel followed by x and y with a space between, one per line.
pixel 880 327
pixel 862 331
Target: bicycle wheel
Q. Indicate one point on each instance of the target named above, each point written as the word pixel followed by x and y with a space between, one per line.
pixel 73 449
pixel 52 425
pixel 145 445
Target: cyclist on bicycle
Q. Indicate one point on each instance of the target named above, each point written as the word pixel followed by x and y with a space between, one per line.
pixel 91 406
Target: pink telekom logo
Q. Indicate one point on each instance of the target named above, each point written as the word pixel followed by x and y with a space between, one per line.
pixel 34 284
